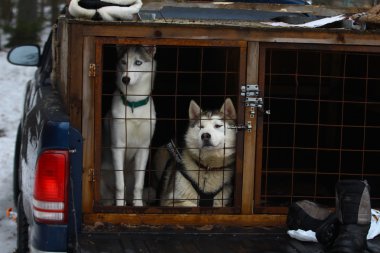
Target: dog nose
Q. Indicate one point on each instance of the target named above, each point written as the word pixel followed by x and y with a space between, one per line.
pixel 126 80
pixel 206 137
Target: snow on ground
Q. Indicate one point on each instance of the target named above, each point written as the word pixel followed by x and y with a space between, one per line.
pixel 13 81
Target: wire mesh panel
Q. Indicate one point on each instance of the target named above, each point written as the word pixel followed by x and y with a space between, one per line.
pixel 167 147
pixel 323 126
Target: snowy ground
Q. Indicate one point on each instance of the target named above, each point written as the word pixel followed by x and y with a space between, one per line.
pixel 13 81
pixel 12 88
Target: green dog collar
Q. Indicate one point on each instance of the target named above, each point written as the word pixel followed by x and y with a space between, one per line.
pixel 134 104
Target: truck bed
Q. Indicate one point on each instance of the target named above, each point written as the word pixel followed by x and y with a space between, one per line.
pixel 201 240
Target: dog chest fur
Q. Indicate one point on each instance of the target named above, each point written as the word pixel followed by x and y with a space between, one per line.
pixel 126 126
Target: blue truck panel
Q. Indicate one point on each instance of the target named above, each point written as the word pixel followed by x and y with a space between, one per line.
pixel 49 238
pixel 45 126
pixel 75 187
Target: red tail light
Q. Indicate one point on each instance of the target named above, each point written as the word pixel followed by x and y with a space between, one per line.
pixel 50 188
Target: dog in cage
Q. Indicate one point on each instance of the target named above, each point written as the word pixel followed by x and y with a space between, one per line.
pixel 130 125
pixel 201 175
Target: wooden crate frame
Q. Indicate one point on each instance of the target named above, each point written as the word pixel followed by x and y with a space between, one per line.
pixel 76 46
pixel 100 42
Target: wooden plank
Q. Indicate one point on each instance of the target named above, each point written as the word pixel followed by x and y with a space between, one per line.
pixel 239 197
pixel 88 125
pixel 62 57
pixel 171 42
pixel 250 137
pixel 283 8
pixel 75 78
pixel 97 123
pixel 185 219
pixel 319 47
pixel 247 32
pixel 259 135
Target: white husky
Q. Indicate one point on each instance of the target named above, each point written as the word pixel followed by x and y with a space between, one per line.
pixel 133 119
pixel 202 175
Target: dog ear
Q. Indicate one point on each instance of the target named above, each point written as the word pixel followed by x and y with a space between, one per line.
pixel 120 50
pixel 151 50
pixel 228 109
pixel 194 110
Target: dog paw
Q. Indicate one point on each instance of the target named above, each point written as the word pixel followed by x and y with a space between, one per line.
pixel 120 202
pixel 138 202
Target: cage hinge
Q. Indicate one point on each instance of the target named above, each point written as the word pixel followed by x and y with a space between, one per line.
pixel 92 70
pixel 91 175
pixel 251 93
pixel 247 126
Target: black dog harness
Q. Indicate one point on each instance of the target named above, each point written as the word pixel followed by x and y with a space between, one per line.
pixel 206 199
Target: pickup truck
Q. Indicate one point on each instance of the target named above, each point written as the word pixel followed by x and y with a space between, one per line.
pixel 308 108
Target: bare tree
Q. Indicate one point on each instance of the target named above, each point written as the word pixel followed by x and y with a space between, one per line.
pixel 28 25
pixel 6 13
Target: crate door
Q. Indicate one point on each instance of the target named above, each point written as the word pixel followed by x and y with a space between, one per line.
pixel 206 72
pixel 323 123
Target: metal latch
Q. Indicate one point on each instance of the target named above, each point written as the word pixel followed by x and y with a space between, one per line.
pixel 247 127
pixel 251 92
pixel 254 102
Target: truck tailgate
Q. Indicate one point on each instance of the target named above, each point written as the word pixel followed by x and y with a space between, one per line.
pixel 250 240
pixel 202 240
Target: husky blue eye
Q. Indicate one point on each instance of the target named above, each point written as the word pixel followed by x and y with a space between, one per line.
pixel 138 63
pixel 218 126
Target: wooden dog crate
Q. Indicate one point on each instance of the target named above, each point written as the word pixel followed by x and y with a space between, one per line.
pixel 314 119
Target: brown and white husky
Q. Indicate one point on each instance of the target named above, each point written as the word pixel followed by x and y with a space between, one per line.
pixel 202 174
